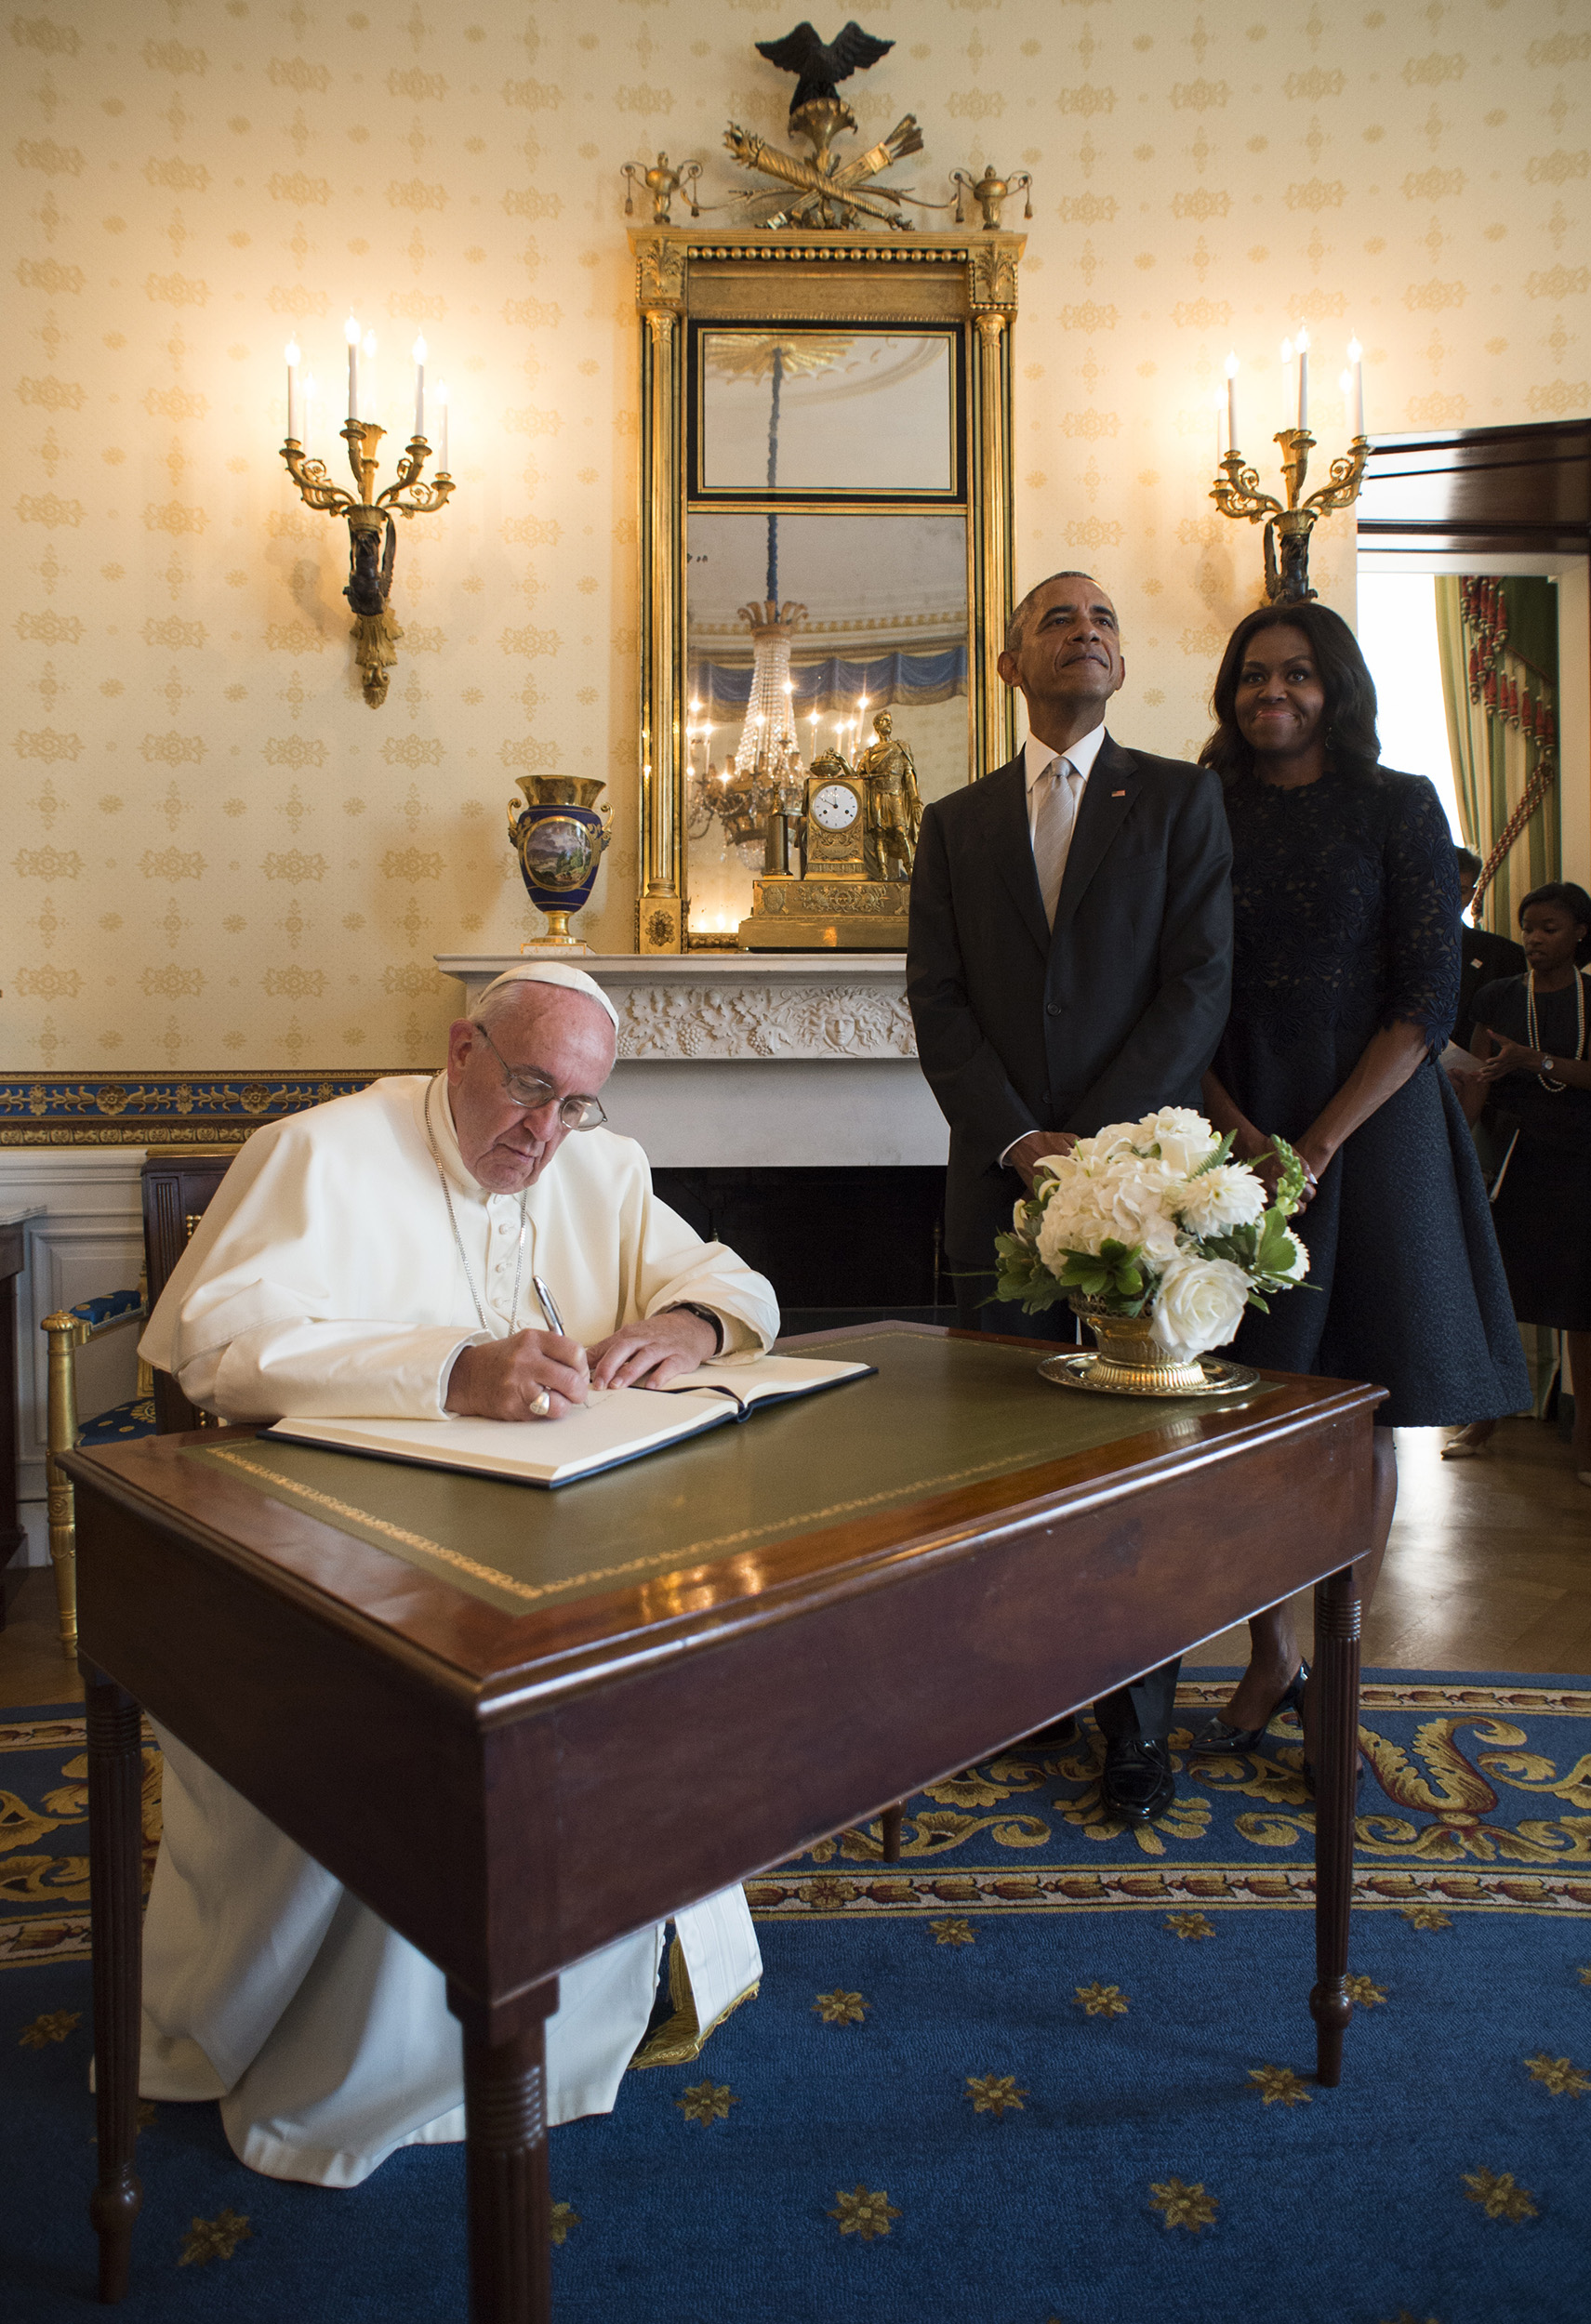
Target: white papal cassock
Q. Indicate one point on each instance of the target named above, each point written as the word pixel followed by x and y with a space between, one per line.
pixel 324 1278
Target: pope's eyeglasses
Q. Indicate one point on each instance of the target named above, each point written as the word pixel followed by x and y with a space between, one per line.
pixel 531 1091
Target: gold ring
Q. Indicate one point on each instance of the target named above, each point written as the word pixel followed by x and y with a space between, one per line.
pixel 541 1406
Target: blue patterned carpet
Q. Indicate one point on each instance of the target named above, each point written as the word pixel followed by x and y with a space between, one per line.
pixel 1044 2072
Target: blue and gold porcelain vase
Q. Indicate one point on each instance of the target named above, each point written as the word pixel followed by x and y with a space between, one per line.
pixel 559 836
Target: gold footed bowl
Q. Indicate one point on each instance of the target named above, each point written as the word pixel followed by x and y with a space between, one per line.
pixel 1129 1361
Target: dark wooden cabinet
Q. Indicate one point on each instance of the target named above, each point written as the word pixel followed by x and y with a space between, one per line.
pixel 179 1182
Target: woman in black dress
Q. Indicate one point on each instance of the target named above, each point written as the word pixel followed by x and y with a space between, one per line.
pixel 1345 969
pixel 1531 1034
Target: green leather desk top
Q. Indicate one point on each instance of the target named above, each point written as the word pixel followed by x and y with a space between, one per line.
pixel 940 1414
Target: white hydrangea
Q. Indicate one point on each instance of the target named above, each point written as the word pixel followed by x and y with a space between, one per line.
pixel 1123 1198
pixel 1227 1195
pixel 1199 1304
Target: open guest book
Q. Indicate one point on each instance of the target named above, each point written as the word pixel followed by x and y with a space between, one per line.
pixel 618 1425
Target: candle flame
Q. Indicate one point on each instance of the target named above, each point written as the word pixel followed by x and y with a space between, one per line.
pixel 1232 364
pixel 368 342
pixel 442 390
pixel 1356 352
pixel 350 332
pixel 1287 350
pixel 417 351
pixel 1302 342
pixel 1346 381
pixel 294 355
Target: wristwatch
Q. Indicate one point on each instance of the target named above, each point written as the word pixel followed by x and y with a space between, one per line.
pixel 689 1307
pixel 1545 1065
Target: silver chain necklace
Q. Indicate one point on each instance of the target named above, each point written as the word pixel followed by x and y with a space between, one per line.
pixel 458 1239
pixel 1556 1087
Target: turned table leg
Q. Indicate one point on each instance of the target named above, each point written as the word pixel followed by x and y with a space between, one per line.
pixel 890 1835
pixel 115 1852
pixel 506 2161
pixel 1336 1678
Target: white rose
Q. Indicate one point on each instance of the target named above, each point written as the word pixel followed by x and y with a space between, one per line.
pixel 1227 1195
pixel 1115 1138
pixel 1199 1304
pixel 1184 1137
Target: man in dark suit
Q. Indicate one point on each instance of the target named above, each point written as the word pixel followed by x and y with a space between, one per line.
pixel 1068 963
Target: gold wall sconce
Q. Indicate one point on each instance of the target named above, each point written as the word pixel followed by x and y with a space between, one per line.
pixel 371 516
pixel 1237 492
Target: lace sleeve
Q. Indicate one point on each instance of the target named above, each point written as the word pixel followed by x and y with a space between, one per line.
pixel 1421 912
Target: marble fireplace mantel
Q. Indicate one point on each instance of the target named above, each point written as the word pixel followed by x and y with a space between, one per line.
pixel 757 1059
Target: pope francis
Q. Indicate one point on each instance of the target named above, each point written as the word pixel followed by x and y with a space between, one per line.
pixel 380 1256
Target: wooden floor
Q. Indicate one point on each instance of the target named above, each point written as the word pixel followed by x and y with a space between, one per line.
pixel 1489 1569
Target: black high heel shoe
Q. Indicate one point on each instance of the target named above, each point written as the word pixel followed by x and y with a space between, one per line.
pixel 1219 1740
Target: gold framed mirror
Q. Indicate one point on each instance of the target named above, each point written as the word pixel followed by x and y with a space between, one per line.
pixel 826 532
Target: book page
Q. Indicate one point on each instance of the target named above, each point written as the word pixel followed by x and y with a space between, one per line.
pixel 755 1379
pixel 615 1426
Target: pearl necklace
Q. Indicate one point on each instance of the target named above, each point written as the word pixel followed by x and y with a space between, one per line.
pixel 1556 1087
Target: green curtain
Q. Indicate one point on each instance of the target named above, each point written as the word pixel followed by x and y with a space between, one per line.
pixel 1492 759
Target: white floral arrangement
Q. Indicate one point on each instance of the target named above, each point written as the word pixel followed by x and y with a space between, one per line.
pixel 1155 1218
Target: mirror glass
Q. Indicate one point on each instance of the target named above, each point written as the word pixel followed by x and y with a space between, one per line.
pixel 811 624
pixel 813 411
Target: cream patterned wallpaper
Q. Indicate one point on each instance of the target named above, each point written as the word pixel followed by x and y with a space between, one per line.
pixel 216 854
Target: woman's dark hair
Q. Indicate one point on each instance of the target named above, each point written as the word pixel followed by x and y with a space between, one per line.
pixel 1570 898
pixel 1469 866
pixel 1351 738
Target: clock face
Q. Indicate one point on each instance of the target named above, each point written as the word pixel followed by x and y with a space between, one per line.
pixel 834 807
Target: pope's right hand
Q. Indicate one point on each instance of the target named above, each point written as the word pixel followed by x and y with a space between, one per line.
pixel 502 1379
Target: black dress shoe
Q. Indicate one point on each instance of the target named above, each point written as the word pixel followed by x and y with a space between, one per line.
pixel 1051 1738
pixel 1219 1740
pixel 1137 1781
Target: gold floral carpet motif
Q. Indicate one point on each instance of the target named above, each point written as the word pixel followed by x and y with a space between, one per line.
pixel 1476 1795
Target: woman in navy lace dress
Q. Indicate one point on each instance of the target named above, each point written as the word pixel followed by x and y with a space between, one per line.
pixel 1346 970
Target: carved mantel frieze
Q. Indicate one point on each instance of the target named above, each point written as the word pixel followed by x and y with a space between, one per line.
pixel 707 1008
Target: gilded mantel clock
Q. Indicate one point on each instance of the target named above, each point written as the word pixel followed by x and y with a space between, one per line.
pixel 820 889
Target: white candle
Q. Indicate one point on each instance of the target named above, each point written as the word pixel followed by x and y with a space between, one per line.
pixel 1303 377
pixel 1220 409
pixel 293 352
pixel 311 392
pixel 372 386
pixel 441 448
pixel 419 386
pixel 1356 357
pixel 1232 401
pixel 351 333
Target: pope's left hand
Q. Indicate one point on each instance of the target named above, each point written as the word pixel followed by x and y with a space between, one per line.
pixel 650 1355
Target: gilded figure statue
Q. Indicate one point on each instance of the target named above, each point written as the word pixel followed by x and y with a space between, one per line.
pixel 895 810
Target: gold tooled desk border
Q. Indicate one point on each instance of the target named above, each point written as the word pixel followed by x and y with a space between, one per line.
pixel 671 1561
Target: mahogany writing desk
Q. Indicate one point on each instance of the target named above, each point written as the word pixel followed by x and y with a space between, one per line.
pixel 557 1717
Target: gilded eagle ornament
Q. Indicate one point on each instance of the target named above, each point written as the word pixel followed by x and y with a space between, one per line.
pixel 824 191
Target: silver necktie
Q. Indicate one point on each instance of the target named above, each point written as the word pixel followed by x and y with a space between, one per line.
pixel 1053 829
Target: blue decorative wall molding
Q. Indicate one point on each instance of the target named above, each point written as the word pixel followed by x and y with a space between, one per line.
pixel 130 1109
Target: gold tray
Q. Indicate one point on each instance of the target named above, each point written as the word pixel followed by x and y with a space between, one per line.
pixel 1220 1377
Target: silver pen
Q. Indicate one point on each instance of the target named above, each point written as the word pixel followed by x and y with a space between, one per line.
pixel 549 1305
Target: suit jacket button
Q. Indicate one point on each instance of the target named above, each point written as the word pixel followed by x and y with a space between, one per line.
pixel 1051 1008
